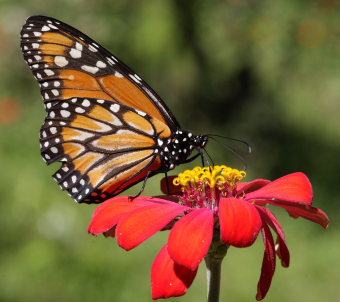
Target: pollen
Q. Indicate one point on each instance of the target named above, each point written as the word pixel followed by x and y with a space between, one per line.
pixel 215 176
pixel 202 187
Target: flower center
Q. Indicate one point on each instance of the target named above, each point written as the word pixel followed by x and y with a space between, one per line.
pixel 203 187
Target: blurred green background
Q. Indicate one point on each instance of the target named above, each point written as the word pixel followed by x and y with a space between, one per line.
pixel 264 71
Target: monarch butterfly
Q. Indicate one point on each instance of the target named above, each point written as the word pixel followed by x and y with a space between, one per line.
pixel 105 124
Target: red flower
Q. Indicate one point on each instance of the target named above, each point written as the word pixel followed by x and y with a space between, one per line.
pixel 212 210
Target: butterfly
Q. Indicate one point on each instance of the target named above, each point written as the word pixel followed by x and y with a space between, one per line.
pixel 104 123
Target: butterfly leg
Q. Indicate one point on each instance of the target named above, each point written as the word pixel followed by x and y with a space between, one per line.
pixel 148 175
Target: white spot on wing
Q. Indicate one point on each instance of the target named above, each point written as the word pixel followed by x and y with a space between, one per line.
pixel 111 62
pixel 90 69
pixel 141 112
pixel 115 107
pixel 134 78
pixel 49 72
pixel 79 110
pixel 79 46
pixel 138 77
pixel 118 75
pixel 93 49
pixel 45 28
pixel 86 103
pixel 100 64
pixel 54 150
pixel 60 61
pixel 75 53
pixel 65 113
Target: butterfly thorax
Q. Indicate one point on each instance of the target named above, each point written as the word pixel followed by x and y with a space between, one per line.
pixel 177 149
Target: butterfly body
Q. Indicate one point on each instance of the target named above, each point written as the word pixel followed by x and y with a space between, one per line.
pixel 106 126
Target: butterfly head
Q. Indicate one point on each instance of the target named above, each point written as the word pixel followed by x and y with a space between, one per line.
pixel 200 141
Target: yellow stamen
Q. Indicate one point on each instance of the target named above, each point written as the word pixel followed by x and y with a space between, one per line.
pixel 212 176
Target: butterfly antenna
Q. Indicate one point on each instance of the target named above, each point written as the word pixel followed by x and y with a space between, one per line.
pixel 240 157
pixel 206 158
pixel 210 158
pixel 232 139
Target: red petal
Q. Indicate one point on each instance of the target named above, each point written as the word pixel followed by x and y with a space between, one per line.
pixel 313 214
pixel 294 187
pixel 190 238
pixel 247 187
pixel 138 225
pixel 107 214
pixel 240 222
pixel 296 210
pixel 281 245
pixel 268 264
pixel 168 278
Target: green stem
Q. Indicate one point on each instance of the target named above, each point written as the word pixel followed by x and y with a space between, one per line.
pixel 213 262
pixel 213 278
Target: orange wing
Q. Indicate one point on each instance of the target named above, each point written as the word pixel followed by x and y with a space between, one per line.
pixel 69 64
pixel 105 147
pixel 103 120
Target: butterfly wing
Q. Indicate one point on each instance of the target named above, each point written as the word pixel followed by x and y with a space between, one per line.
pixel 57 52
pixel 101 157
pixel 103 119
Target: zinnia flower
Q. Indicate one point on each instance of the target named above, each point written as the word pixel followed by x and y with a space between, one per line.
pixel 211 211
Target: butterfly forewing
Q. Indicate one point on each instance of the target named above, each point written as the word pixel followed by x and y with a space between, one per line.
pixel 68 64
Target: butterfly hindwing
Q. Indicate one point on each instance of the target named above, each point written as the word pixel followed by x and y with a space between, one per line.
pixel 105 147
